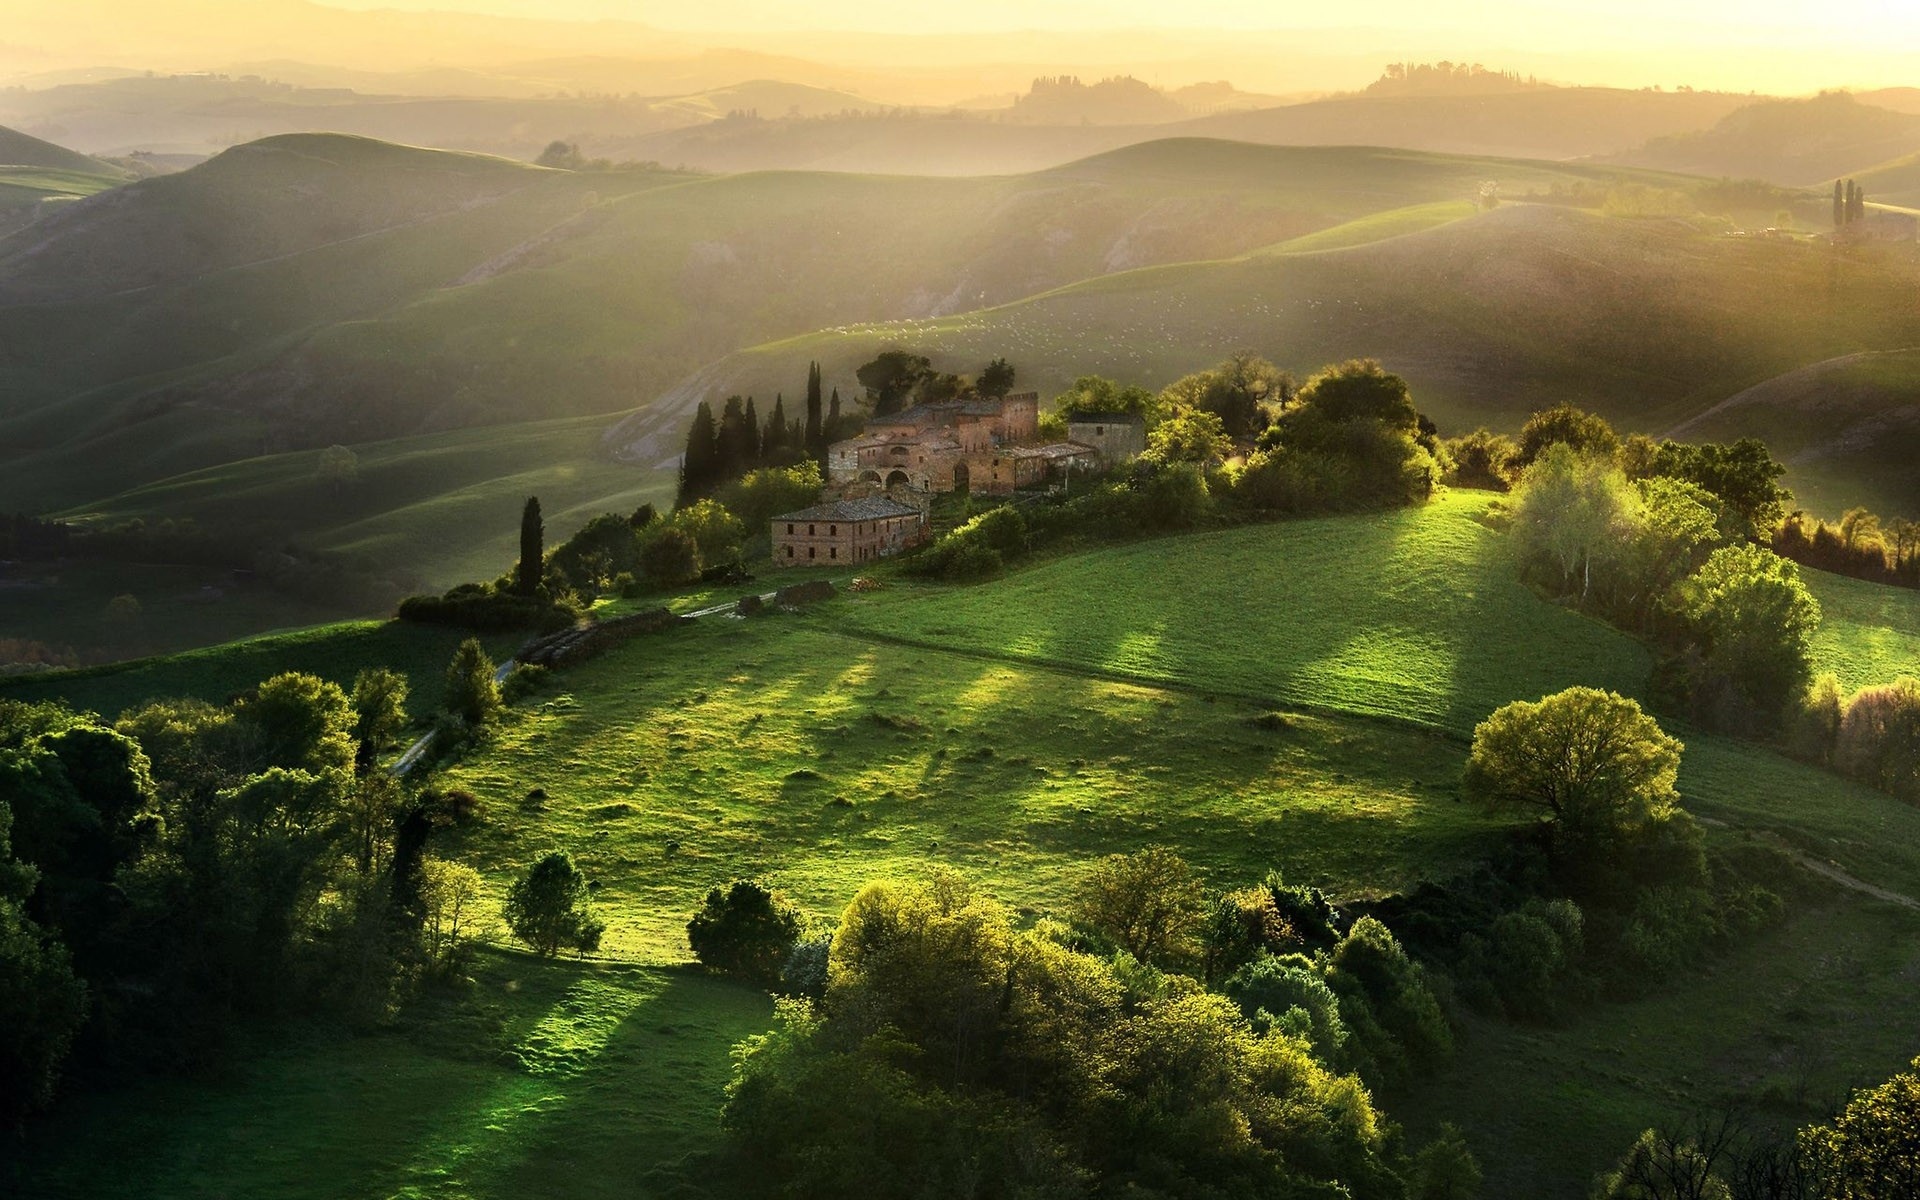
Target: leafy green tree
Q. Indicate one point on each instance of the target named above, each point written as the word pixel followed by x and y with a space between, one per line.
pixel 1482 459
pixel 717 532
pixel 1361 390
pixel 1582 432
pixel 671 558
pixel 1754 620
pixel 42 1002
pixel 1445 1169
pixel 300 722
pixel 1872 1150
pixel 1878 740
pixel 1744 477
pixel 996 380
pixel 1243 392
pixel 472 692
pixel 379 714
pixel 532 549
pixel 1188 435
pixel 1286 992
pixel 746 930
pixel 761 495
pixel 1386 1001
pixel 891 377
pixel 1570 511
pixel 1095 395
pixel 1589 761
pixel 1148 902
pixel 549 908
pixel 450 907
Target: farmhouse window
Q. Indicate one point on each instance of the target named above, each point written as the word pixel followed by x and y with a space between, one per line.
pixel 809 551
pixel 789 551
pixel 833 552
pixel 789 528
pixel 809 531
pixel 833 531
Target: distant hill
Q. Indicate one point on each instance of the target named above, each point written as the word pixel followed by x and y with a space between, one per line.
pixel 1122 100
pixel 1551 123
pixel 1791 142
pixel 208 113
pixel 1856 418
pixel 20 150
pixel 1895 182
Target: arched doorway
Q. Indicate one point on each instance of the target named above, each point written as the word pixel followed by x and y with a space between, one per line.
pixel 898 479
pixel 869 477
pixel 962 478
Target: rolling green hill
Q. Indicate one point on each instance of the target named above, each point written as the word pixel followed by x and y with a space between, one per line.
pixel 24 150
pixel 306 290
pixel 1093 703
pixel 1649 321
pixel 1848 426
pixel 36 175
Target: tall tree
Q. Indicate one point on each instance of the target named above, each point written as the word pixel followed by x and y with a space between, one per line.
pixel 750 443
pixel 891 377
pixel 734 452
pixel 774 439
pixel 1839 204
pixel 997 380
pixel 833 417
pixel 532 548
pixel 816 434
pixel 700 464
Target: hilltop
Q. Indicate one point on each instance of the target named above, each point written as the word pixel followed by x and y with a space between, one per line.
pixel 1790 142
pixel 37 176
pixel 21 150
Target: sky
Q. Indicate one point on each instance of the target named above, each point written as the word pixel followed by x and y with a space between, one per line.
pixel 942 51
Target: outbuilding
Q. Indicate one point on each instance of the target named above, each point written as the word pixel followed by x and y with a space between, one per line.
pixel 846 531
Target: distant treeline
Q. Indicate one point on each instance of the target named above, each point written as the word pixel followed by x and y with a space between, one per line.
pixel 1448 78
pixel 1859 544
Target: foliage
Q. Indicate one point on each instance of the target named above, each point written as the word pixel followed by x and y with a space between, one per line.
pixel 761 495
pixel 300 722
pixel 532 565
pixel 1148 902
pixel 1445 1169
pixel 1584 433
pixel 672 558
pixel 717 532
pixel 450 905
pixel 1287 993
pixel 548 908
pixel 1878 739
pixel 471 692
pixel 1571 510
pixel 1481 459
pixel 891 377
pixel 1743 476
pixel 1244 393
pixel 746 930
pixel 379 714
pixel 1188 435
pixel 1754 621
pixel 1589 761
pixel 1872 1149
pixel 950 1048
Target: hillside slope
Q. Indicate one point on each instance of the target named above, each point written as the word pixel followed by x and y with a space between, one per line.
pixel 314 289
pixel 1648 321
pixel 1854 418
pixel 22 150
pixel 1790 142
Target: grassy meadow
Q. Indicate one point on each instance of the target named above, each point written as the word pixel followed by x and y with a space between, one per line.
pixel 1013 731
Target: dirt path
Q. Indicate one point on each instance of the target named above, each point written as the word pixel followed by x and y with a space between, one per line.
pixel 1825 869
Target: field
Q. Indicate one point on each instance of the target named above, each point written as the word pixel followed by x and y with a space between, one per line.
pixel 1868 634
pixel 1013 731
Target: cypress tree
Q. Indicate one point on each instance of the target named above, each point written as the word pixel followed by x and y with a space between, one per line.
pixel 733 442
pixel 815 438
pixel 774 440
pixel 1839 205
pixel 532 548
pixel 832 432
pixel 702 459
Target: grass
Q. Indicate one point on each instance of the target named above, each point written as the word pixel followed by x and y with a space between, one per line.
pixel 1380 226
pixel 1014 731
pixel 1869 634
pixel 1409 615
pixel 538 1078
pixel 217 673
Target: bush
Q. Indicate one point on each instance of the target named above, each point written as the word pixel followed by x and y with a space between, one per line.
pixel 547 908
pixel 1241 926
pixel 1286 992
pixel 484 611
pixel 1482 459
pixel 1878 742
pixel 471 692
pixel 1148 902
pixel 671 559
pixel 1386 1000
pixel 747 931
pixel 524 680
pixel 1753 620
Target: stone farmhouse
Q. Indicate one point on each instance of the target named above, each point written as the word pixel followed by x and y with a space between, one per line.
pixel 879 483
pixel 846 531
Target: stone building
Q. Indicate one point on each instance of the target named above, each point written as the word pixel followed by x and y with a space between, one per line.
pixel 977 445
pixel 846 531
pixel 1118 437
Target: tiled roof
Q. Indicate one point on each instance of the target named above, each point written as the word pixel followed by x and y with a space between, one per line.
pixel 872 508
pixel 1125 418
pixel 1053 450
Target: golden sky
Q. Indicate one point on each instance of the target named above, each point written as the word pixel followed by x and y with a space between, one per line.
pixel 1782 46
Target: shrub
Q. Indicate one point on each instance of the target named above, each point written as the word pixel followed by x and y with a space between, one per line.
pixel 548 909
pixel 1286 992
pixel 1240 926
pixel 747 930
pixel 1754 621
pixel 805 972
pixel 1813 729
pixel 672 558
pixel 1879 738
pixel 1385 998
pixel 521 682
pixel 1148 902
pixel 471 693
pixel 1482 459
